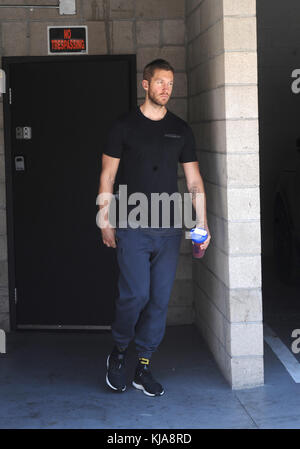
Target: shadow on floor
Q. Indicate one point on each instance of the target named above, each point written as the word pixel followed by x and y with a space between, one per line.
pixel 281 304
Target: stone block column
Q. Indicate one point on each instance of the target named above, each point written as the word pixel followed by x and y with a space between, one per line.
pixel 223 111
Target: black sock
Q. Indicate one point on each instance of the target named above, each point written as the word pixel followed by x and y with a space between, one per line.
pixel 121 348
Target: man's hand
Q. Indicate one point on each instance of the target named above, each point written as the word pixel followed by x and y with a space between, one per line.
pixel 109 237
pixel 205 244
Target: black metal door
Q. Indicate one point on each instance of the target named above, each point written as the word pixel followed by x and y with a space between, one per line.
pixel 62 272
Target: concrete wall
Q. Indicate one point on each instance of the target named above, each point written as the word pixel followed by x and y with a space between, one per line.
pixel 149 28
pixel 278 55
pixel 223 111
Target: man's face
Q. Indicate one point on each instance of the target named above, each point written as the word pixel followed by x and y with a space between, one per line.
pixel 160 87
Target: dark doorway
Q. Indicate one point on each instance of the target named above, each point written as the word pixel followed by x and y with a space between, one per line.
pixel 56 117
pixel 279 170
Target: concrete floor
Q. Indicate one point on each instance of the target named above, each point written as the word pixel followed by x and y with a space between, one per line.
pixel 51 380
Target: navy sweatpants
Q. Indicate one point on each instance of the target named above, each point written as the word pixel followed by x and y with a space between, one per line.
pixel 147 260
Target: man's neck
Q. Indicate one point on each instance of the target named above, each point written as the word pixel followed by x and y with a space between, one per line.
pixel 153 111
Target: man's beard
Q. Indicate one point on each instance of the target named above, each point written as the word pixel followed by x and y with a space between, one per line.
pixel 156 100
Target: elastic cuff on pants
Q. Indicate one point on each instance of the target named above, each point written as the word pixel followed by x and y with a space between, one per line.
pixel 144 355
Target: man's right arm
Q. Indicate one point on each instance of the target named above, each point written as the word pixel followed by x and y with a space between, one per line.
pixel 107 179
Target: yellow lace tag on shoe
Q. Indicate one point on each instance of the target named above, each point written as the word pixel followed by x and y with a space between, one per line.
pixel 144 361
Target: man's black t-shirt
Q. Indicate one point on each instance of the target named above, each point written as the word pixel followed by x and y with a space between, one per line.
pixel 149 152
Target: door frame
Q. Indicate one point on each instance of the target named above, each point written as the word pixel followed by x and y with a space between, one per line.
pixel 7 62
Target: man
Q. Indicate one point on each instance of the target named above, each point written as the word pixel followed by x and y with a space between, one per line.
pixel 149 142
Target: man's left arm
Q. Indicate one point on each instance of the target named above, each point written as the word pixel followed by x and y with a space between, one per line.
pixel 195 187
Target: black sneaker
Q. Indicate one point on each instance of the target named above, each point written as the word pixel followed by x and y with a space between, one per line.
pixel 115 375
pixel 144 381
